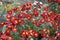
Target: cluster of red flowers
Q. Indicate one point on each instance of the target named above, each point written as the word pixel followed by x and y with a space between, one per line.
pixel 5 37
pixel 51 17
pixel 13 20
pixel 25 33
pixel 58 1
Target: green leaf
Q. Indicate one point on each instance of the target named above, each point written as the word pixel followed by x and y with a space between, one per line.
pixel 43 26
pixel 20 27
pixel 29 24
pixel 52 32
pixel 4 28
pixel 58 28
pixel 16 35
